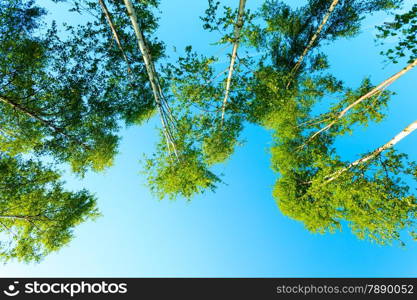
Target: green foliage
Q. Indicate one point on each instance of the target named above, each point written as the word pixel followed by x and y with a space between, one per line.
pixel 202 139
pixel 370 110
pixel 184 176
pixel 288 31
pixel 50 101
pixel 224 22
pixel 37 215
pixel 220 145
pixel 374 200
pixel 404 30
pixel 64 95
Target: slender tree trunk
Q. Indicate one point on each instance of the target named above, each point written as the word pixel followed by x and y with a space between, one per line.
pixel 238 29
pixel 408 130
pixel 373 92
pixel 115 35
pixel 46 123
pixel 164 110
pixel 314 38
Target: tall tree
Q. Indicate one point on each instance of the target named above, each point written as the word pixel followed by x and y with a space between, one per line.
pixel 376 91
pixel 62 96
pixel 206 135
pixel 372 197
pixel 374 154
pixel 314 37
pixel 66 95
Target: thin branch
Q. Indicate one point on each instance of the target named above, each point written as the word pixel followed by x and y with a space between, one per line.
pixel 237 33
pixel 18 217
pixel 115 34
pixel 47 123
pixel 215 77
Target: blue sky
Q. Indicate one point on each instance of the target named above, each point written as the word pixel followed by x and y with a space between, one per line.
pixel 237 231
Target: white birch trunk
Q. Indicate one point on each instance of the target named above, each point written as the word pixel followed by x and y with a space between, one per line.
pixel 238 29
pixel 314 38
pixel 407 131
pixel 153 78
pixel 373 92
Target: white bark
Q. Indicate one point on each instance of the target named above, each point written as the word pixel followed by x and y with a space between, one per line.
pixel 314 38
pixel 237 29
pixel 373 92
pixel 164 110
pixel 407 131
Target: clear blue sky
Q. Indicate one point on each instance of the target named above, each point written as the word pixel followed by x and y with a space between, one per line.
pixel 238 231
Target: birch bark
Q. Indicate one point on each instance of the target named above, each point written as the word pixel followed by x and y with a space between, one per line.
pixel 237 33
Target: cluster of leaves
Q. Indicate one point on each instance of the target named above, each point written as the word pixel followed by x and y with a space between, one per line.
pixel 182 176
pixel 37 215
pixel 51 104
pixel 403 28
pixel 373 199
pixel 287 31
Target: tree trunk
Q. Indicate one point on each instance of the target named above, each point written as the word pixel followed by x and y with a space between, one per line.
pixel 373 92
pixel 408 130
pixel 238 29
pixel 164 110
pixel 314 38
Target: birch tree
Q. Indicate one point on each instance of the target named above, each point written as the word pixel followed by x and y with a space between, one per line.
pixel 372 198
pixel 314 37
pixel 206 134
pixel 49 104
pixel 65 96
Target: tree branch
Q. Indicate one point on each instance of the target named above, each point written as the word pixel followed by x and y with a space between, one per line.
pixel 115 34
pixel 41 120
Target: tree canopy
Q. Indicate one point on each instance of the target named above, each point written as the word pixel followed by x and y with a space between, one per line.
pixel 66 90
